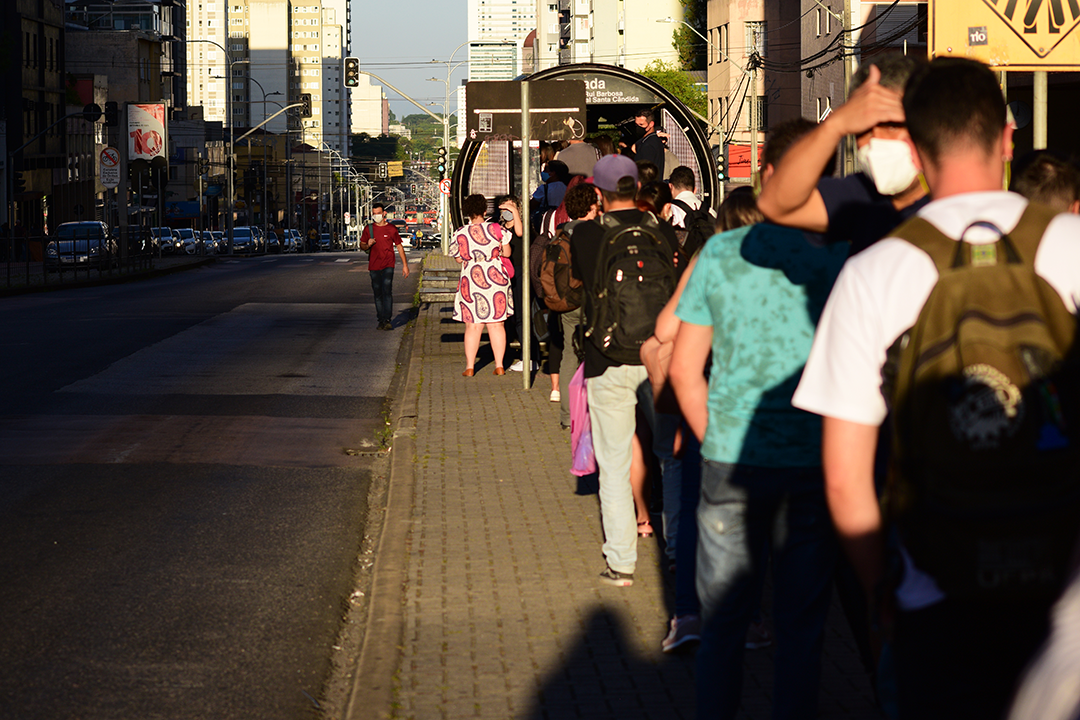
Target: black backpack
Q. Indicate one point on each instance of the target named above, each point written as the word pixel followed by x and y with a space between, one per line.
pixel 698 226
pixel 635 277
pixel 984 487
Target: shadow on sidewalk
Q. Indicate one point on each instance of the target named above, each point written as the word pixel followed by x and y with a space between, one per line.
pixel 604 676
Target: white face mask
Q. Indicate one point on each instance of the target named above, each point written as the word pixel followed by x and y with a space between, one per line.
pixel 377 217
pixel 889 165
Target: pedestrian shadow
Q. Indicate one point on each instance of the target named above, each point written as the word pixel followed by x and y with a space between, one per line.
pixel 404 317
pixel 603 675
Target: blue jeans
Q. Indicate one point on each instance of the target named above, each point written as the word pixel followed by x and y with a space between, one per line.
pixel 743 511
pixel 664 428
pixel 382 284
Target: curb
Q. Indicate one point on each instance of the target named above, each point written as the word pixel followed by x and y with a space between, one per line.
pixel 371 693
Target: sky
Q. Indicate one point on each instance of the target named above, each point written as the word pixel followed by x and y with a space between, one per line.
pixel 397 40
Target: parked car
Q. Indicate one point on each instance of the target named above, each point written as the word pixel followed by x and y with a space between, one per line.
pixel 166 241
pixel 325 243
pixel 192 241
pixel 273 243
pixel 82 244
pixel 219 238
pixel 297 240
pixel 243 240
pixel 210 243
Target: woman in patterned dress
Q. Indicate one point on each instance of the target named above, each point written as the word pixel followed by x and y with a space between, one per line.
pixel 483 297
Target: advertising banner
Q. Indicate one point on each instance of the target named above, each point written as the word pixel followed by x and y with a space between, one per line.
pixel 146 131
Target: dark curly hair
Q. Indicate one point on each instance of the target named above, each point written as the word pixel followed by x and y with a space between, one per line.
pixel 473 206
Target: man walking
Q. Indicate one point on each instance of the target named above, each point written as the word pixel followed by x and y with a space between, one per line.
pixel 379 240
pixel 971 583
pixel 616 385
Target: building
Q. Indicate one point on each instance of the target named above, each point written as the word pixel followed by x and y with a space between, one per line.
pixel 32 72
pixel 366 113
pixel 804 69
pixel 276 49
pixel 497 30
pixel 624 33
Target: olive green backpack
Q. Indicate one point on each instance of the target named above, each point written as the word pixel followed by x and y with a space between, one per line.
pixel 984 483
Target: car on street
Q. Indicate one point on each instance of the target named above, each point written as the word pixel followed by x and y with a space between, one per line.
pixel 192 241
pixel 273 242
pixel 166 241
pixel 325 244
pixel 87 244
pixel 210 243
pixel 243 240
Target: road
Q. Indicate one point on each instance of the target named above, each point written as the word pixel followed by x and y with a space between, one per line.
pixel 184 472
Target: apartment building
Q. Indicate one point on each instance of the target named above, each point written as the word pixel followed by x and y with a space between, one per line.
pixel 624 33
pixel 497 29
pixel 277 50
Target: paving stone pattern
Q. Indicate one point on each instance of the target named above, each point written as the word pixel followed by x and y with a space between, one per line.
pixel 504 617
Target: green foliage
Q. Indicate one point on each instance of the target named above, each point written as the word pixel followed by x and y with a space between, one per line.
pixel 690 46
pixel 678 83
pixel 382 147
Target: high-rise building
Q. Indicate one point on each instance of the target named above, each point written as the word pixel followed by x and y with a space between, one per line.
pixel 625 33
pixel 275 48
pixel 497 29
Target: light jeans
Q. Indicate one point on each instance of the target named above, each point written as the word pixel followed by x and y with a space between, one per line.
pixel 613 399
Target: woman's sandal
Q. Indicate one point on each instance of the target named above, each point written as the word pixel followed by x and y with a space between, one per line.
pixel 468 372
pixel 644 529
pixel 499 371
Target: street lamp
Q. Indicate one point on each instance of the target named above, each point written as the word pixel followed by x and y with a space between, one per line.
pixel 444 205
pixel 264 96
pixel 232 147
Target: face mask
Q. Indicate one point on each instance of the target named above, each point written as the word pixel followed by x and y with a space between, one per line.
pixel 506 216
pixel 889 165
pixel 544 176
pixel 377 217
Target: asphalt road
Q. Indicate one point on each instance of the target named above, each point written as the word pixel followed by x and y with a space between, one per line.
pixel 184 473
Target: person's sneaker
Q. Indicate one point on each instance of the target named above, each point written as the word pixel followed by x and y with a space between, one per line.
pixel 616 578
pixel 685 629
pixel 518 365
pixel 555 396
pixel 758 636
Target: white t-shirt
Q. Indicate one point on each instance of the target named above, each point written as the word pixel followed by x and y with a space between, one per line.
pixel 678 215
pixel 878 296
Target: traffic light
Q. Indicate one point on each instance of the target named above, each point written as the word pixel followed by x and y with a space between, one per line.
pixel 352 72
pixel 441 162
pixel 112 114
pixel 720 156
pixel 18 183
pixel 305 105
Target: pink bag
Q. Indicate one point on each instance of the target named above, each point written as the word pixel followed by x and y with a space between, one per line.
pixel 581 447
pixel 508 268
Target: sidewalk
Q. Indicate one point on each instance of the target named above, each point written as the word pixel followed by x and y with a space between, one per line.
pixel 485 602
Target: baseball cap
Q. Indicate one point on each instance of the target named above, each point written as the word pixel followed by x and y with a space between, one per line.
pixel 610 168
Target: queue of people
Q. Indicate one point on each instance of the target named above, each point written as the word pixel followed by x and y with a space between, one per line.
pixel 862 384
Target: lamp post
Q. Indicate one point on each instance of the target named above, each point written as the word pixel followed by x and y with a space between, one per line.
pixel 444 204
pixel 232 149
pixel 264 96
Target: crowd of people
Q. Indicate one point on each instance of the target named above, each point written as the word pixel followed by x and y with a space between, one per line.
pixel 860 385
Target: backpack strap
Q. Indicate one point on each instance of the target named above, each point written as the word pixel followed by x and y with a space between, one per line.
pixel 1020 244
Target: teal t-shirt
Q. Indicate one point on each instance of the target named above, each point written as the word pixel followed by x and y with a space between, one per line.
pixel 762 289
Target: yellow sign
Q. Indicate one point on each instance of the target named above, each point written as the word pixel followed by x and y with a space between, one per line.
pixel 394 168
pixel 1008 34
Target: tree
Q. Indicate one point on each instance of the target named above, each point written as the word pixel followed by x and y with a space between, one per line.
pixel 689 45
pixel 678 83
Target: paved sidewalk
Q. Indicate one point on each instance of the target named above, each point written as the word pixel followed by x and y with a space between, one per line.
pixel 485 600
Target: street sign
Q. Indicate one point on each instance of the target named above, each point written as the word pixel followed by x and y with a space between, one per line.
pixel 444 186
pixel 556 109
pixel 1015 36
pixel 110 167
pixel 346 218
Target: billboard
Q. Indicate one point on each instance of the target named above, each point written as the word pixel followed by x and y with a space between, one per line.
pixel 146 131
pixel 1008 34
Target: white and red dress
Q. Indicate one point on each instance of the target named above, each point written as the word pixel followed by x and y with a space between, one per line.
pixel 483 294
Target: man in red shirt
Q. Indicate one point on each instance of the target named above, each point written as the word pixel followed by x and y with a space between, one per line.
pixel 381 262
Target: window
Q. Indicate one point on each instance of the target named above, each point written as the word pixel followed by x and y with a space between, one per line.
pixel 755 37
pixel 828 20
pixel 725 51
pixel 817 27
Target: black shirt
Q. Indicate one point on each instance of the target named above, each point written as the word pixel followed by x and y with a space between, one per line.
pixel 584 252
pixel 651 148
pixel 858 213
